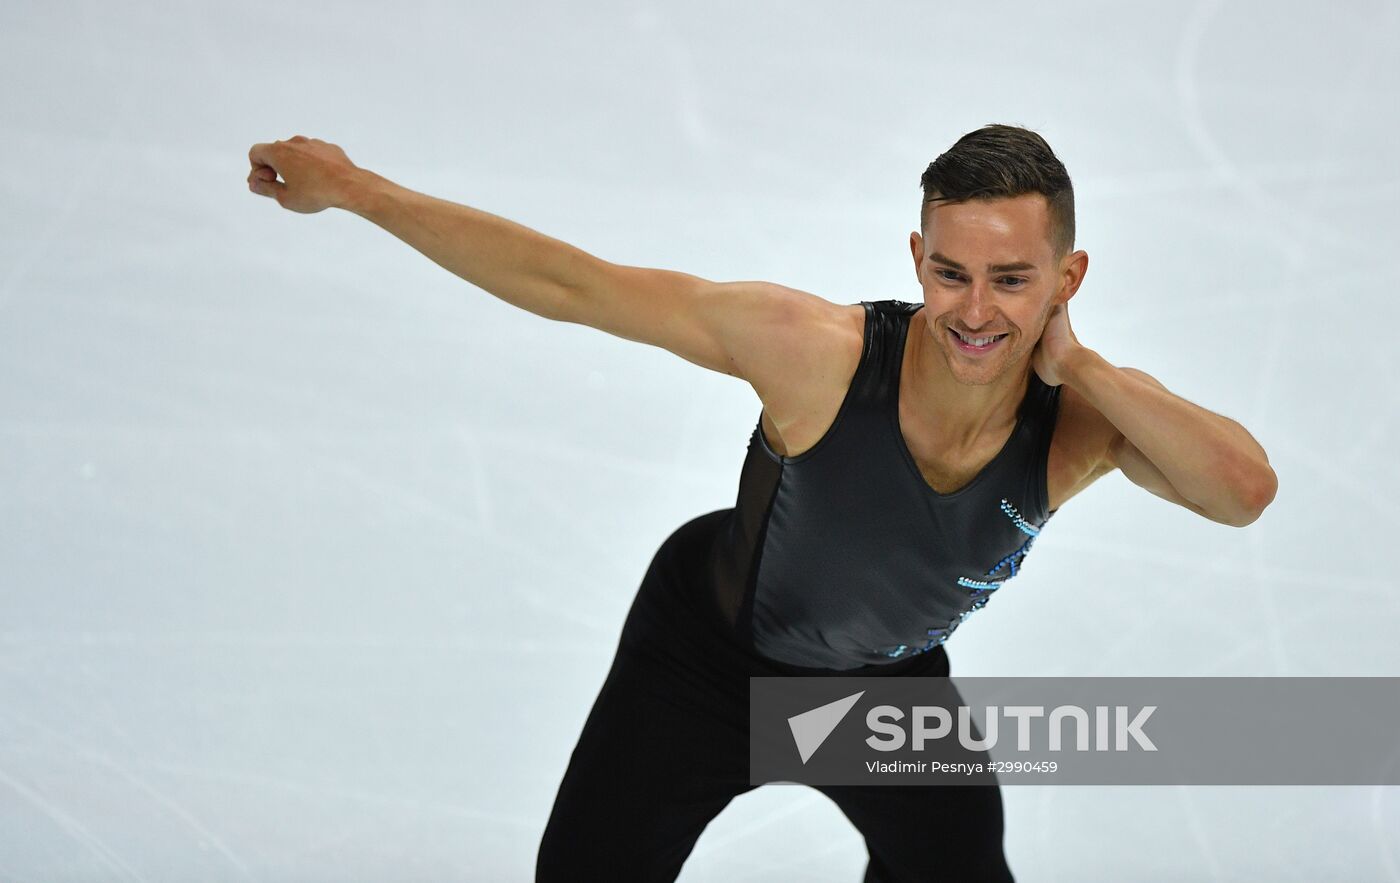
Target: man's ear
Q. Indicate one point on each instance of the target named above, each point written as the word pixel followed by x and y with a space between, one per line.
pixel 1073 268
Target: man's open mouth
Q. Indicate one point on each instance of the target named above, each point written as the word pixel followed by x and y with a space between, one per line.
pixel 982 342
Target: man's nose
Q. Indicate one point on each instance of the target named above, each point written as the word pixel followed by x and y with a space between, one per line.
pixel 977 308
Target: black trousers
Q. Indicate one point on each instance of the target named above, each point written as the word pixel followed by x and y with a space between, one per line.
pixel 665 748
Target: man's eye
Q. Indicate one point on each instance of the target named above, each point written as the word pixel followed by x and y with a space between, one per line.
pixel 1014 281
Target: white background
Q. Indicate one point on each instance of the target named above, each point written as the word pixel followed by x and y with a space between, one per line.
pixel 313 556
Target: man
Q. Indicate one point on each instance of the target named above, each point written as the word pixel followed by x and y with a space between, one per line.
pixel 905 459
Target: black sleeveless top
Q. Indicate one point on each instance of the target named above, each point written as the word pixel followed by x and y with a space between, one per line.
pixel 844 556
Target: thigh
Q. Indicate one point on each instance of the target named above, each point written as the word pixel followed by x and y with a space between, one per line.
pixel 927 832
pixel 930 832
pixel 659 757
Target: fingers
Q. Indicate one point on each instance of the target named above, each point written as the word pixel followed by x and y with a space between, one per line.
pixel 264 159
pixel 263 188
pixel 261 154
pixel 263 181
pixel 263 177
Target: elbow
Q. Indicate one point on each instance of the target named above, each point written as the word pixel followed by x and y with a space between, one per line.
pixel 1260 495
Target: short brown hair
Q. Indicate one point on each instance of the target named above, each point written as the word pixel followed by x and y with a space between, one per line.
pixel 1002 161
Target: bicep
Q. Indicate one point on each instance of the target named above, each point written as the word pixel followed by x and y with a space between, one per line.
pixel 756 331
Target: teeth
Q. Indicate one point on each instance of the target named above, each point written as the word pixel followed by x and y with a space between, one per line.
pixel 978 341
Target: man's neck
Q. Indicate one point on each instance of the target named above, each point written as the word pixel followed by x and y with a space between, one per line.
pixel 961 416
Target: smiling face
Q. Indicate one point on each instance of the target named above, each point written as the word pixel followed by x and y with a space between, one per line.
pixel 989 270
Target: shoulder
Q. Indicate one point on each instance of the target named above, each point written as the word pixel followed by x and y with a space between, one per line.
pixel 822 354
pixel 850 321
pixel 820 359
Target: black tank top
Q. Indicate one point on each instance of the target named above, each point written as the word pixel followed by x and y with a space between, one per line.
pixel 844 556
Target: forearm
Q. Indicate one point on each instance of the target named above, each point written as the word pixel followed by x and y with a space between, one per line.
pixel 1209 459
pixel 519 265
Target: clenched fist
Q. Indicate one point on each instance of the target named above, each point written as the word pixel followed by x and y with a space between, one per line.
pixel 315 174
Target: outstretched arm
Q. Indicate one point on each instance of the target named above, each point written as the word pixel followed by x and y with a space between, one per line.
pixel 767 334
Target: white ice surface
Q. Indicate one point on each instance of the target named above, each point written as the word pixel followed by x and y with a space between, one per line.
pixel 313 556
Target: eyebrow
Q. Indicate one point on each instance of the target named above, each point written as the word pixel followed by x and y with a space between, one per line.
pixel 991 268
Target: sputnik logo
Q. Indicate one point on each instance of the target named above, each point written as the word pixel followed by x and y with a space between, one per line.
pixel 810 728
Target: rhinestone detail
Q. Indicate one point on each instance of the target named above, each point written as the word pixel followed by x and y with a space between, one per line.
pixel 983 588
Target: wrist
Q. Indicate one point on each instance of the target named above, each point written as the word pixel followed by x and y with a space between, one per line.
pixel 363 192
pixel 1080 365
